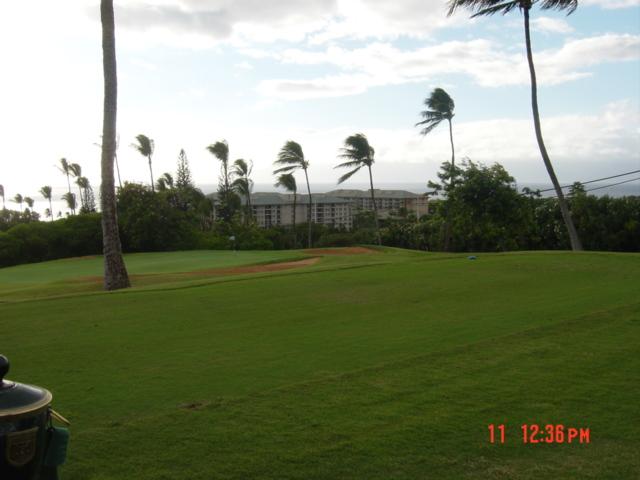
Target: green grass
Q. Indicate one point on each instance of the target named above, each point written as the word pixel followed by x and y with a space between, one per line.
pixel 378 366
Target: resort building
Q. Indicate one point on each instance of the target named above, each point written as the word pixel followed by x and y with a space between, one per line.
pixel 335 209
pixel 389 202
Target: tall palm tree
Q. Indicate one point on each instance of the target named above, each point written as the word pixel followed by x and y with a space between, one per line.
pixel 115 271
pixel 19 200
pixel 29 201
pixel 145 147
pixel 490 7
pixel 243 184
pixel 358 153
pixel 46 193
pixel 291 158
pixel 2 195
pixel 288 182
pixel 440 107
pixel 65 168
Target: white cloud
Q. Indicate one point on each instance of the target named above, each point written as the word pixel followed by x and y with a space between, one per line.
pixel 487 63
pixel 551 25
pixel 612 4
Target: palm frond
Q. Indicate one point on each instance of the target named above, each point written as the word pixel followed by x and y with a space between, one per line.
pixel 429 126
pixel 44 191
pixel 220 150
pixel 291 153
pixel 75 169
pixel 569 5
pixel 484 7
pixel 352 163
pixel 286 169
pixel 145 145
pixel 348 175
pixel 287 181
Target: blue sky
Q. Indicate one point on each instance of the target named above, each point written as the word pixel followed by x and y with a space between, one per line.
pixel 192 72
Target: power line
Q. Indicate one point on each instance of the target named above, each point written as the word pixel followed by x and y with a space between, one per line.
pixel 613 184
pixel 593 181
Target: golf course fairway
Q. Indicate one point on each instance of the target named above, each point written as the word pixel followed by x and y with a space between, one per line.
pixel 366 364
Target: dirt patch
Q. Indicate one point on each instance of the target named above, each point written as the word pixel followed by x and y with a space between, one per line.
pixel 341 251
pixel 153 278
pixel 269 267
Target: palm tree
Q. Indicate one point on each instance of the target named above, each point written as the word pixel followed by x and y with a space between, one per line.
pixel 70 198
pixel 115 271
pixel 83 186
pixel 65 168
pixel 220 150
pixel 489 7
pixel 292 159
pixel 145 147
pixel 165 182
pixel 288 182
pixel 358 153
pixel 2 194
pixel 18 199
pixel 48 213
pixel 242 183
pixel 76 171
pixel 29 201
pixel 440 106
pixel 46 193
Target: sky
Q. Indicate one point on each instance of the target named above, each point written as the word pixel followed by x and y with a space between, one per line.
pixel 258 73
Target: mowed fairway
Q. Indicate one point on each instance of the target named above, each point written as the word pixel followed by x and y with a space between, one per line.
pixel 387 365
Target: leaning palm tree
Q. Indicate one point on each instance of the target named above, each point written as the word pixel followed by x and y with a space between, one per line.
pixel 2 195
pixel 440 107
pixel 358 153
pixel 288 182
pixel 145 147
pixel 115 271
pixel 29 201
pixel 46 193
pixel 242 183
pixel 291 158
pixel 19 200
pixel 490 7
pixel 65 168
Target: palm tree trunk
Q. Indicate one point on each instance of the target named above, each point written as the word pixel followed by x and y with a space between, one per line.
pixel 115 271
pixel 447 223
pixel 564 208
pixel 309 212
pixel 295 234
pixel 375 207
pixel 153 188
pixel 51 208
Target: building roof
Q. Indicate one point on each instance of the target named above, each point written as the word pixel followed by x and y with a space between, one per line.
pixel 274 198
pixel 379 194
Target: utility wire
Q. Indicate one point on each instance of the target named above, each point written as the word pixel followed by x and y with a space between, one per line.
pixel 613 184
pixel 593 181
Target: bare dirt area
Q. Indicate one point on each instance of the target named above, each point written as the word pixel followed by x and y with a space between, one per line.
pixel 155 278
pixel 269 267
pixel 341 251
